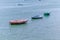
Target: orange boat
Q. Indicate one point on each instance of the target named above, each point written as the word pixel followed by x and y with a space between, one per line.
pixel 18 21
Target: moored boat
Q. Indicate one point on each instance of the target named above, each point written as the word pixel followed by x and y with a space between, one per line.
pixel 37 17
pixel 20 4
pixel 46 14
pixel 18 21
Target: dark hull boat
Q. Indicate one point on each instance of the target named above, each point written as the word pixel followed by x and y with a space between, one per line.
pixel 18 21
pixel 20 4
pixel 46 14
pixel 37 17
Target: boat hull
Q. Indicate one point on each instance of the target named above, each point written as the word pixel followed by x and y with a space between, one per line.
pixel 18 21
pixel 37 17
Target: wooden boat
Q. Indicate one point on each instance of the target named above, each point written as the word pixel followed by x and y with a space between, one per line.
pixel 37 17
pixel 18 21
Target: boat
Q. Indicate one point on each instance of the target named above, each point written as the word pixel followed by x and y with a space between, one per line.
pixel 18 21
pixel 20 4
pixel 46 14
pixel 37 17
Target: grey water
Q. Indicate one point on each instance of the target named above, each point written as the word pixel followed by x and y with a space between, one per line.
pixel 47 28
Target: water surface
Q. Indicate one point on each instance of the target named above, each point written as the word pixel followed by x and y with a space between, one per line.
pixel 47 28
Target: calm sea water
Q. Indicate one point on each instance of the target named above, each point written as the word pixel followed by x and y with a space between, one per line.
pixel 47 28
